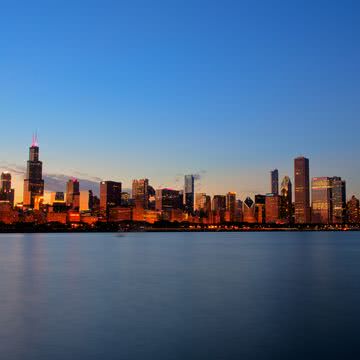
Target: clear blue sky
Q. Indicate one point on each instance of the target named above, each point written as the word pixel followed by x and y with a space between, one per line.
pixel 232 89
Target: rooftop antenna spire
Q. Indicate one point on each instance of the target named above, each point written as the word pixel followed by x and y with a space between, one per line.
pixel 34 142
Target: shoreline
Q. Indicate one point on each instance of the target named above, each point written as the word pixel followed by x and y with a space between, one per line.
pixel 169 230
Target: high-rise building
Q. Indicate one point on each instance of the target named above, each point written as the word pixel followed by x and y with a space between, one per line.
pixel 302 190
pixel 86 200
pixel 202 203
pixel 328 200
pixel 73 193
pixel 231 205
pixel 140 193
pixel 321 200
pixel 274 181
pixel 33 183
pixel 219 203
pixel 249 211
pixel 7 194
pixel 167 199
pixel 199 201
pixel 353 211
pixel 286 199
pixel 260 208
pixel 110 194
pixel 207 205
pixel 272 208
pixel 239 210
pixel 338 200
pixel 189 191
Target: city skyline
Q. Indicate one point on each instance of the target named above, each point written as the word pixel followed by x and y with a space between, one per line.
pixel 141 188
pixel 143 91
pixel 321 200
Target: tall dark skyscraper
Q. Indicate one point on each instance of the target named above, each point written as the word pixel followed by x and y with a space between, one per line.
pixel 353 211
pixel 274 181
pixel 33 183
pixel 286 199
pixel 110 195
pixel 338 200
pixel 189 193
pixel 302 190
pixel 6 192
pixel 73 194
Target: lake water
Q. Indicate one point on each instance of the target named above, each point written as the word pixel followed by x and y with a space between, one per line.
pixel 180 296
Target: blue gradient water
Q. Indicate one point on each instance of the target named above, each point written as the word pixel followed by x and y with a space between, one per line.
pixel 180 296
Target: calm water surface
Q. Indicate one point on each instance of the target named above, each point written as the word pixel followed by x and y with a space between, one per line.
pixel 180 296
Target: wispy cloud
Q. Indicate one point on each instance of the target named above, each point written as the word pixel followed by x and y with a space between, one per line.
pixel 55 182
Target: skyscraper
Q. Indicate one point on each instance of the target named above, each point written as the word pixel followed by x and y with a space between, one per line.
pixel 110 194
pixel 249 211
pixel 189 189
pixel 302 190
pixel 33 183
pixel 167 199
pixel 338 200
pixel 219 203
pixel 7 194
pixel 200 201
pixel 86 200
pixel 260 208
pixel 321 200
pixel 231 205
pixel 73 194
pixel 272 208
pixel 353 211
pixel 328 200
pixel 286 199
pixel 274 181
pixel 140 193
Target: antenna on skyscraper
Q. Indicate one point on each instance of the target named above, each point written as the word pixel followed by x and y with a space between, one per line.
pixel 34 140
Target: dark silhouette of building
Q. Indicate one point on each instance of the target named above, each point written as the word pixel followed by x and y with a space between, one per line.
pixel 110 195
pixel 7 194
pixel 260 208
pixel 352 208
pixel 167 199
pixel 274 181
pixel 73 194
pixel 302 190
pixel 286 200
pixel 338 200
pixel 189 193
pixel 219 207
pixel 33 183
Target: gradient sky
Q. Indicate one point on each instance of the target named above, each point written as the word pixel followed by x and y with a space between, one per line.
pixel 227 89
